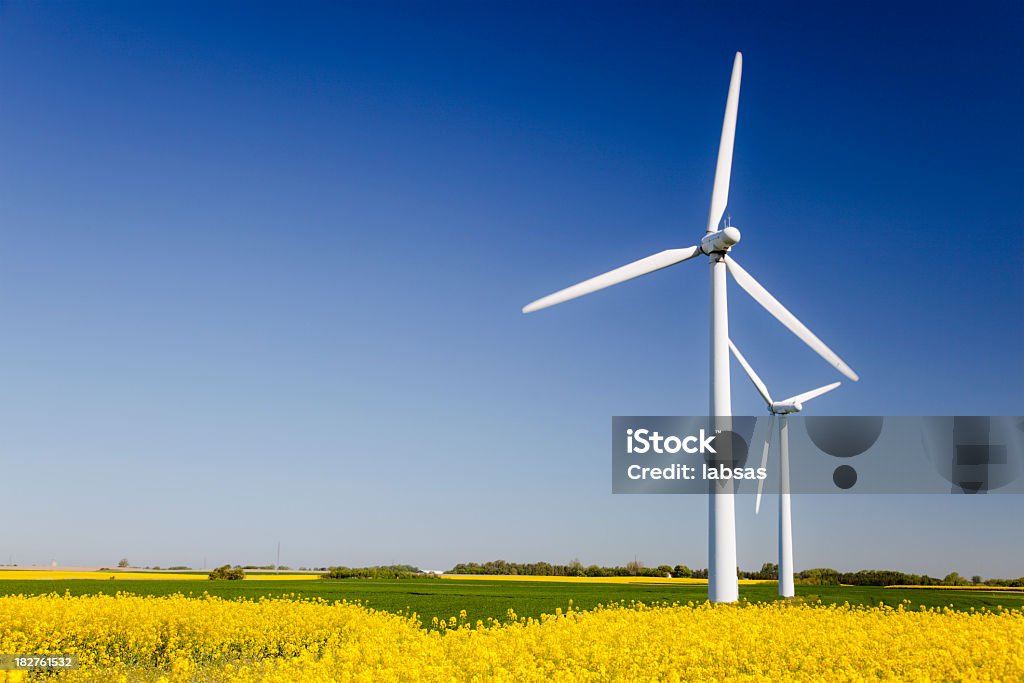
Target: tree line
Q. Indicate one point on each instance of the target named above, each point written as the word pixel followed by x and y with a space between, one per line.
pixel 769 571
pixel 888 577
pixel 391 571
pixel 575 568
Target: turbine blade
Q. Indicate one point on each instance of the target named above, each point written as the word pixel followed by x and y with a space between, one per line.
pixel 723 170
pixel 764 462
pixel 663 259
pixel 758 384
pixel 813 393
pixel 772 305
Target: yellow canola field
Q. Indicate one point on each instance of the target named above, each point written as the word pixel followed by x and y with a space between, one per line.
pixel 178 639
pixel 588 579
pixel 46 575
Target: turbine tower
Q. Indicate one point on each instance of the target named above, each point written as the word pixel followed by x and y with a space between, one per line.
pixel 780 409
pixel 716 244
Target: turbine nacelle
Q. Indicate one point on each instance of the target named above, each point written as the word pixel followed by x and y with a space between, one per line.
pixel 785 407
pixel 721 241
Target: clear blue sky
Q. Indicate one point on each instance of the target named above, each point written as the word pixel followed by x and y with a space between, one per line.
pixel 262 268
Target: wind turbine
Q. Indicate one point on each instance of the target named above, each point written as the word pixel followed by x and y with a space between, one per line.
pixel 780 409
pixel 716 244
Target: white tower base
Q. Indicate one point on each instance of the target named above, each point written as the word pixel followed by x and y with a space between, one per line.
pixel 723 584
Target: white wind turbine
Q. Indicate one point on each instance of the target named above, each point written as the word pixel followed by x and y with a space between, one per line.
pixel 780 409
pixel 722 581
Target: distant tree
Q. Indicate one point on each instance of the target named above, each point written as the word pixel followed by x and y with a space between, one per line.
pixel 664 570
pixel 634 567
pixel 575 568
pixel 227 572
pixel 123 562
pixel 822 576
pixel 975 579
pixel 681 571
pixel 953 579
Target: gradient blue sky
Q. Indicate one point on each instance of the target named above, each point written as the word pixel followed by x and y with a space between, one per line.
pixel 262 268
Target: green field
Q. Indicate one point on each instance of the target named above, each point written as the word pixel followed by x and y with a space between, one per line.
pixel 482 599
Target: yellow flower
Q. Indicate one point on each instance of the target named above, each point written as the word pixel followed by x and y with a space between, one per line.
pixel 179 639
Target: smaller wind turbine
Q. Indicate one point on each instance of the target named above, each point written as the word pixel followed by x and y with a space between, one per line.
pixel 780 409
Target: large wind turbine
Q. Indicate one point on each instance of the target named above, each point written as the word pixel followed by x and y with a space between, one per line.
pixel 780 409
pixel 722 581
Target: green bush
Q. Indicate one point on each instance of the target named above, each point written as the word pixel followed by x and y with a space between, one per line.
pixel 228 573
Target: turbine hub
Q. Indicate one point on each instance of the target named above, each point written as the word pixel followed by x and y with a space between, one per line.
pixel 721 241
